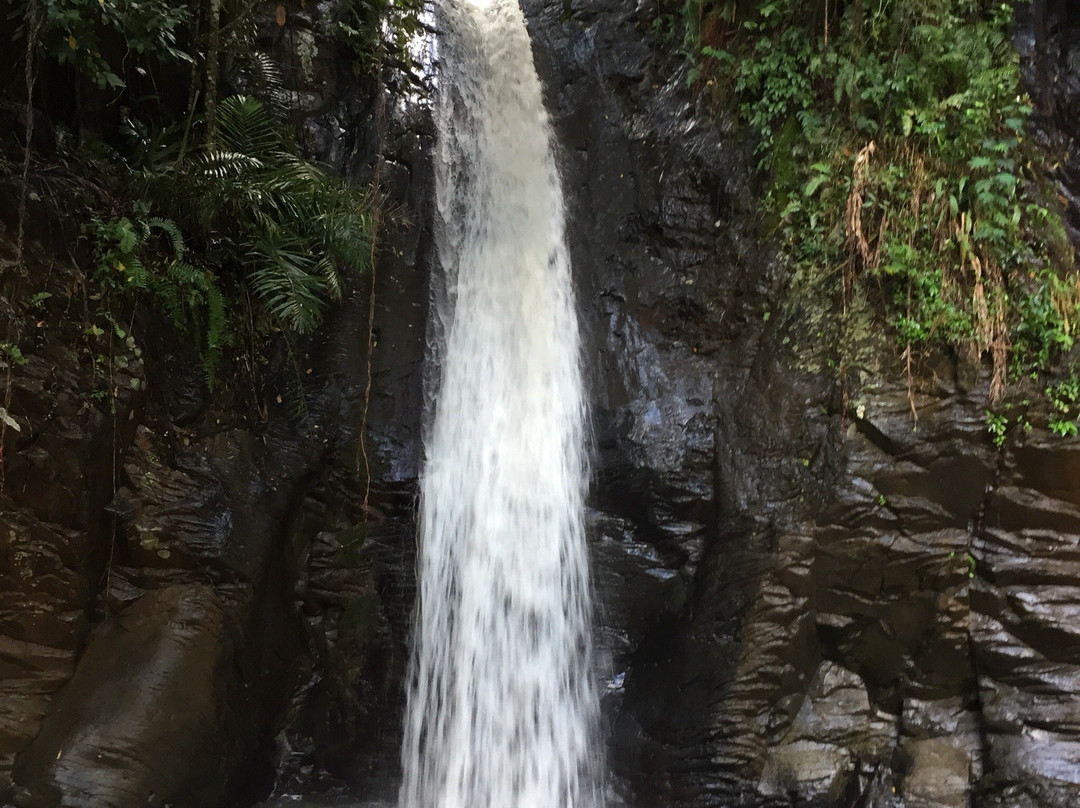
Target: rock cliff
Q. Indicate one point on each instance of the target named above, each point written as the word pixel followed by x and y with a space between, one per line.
pixel 819 590
pixel 807 596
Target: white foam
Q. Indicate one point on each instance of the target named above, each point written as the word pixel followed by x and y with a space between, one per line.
pixel 502 711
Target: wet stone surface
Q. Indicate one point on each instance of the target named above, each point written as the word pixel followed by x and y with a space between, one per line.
pixel 867 613
pixel 803 599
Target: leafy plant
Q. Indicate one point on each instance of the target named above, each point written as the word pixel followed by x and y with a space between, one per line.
pixel 894 137
pixel 215 218
pixel 378 30
pixel 252 203
pixel 1063 398
pixel 246 213
pixel 148 254
pixel 78 33
pixel 970 564
pixel 10 355
pixel 997 425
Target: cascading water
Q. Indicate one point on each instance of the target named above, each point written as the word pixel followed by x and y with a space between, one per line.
pixel 502 711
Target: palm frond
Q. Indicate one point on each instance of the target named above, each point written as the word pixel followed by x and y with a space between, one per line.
pixel 346 236
pixel 220 164
pixel 152 147
pixel 252 202
pixel 283 276
pixel 268 84
pixel 327 269
pixel 245 127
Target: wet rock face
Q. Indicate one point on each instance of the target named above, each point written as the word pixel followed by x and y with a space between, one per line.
pixel 809 599
pixel 668 279
pixel 1046 39
pixel 195 607
pixel 60 456
pixel 803 599
pixel 1024 627
pixel 160 664
pixel 145 617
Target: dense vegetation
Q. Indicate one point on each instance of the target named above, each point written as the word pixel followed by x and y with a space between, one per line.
pixel 893 137
pixel 202 203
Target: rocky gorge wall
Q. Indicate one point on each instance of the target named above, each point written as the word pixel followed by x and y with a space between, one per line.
pixel 191 595
pixel 845 606
pixel 805 600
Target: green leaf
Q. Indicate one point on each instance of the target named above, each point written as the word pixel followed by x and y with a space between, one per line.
pixel 284 276
pixel 721 56
pixel 814 183
pixel 245 127
pixel 7 419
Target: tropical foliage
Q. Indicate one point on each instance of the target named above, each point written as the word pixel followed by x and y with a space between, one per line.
pixel 251 199
pixel 212 214
pixel 894 138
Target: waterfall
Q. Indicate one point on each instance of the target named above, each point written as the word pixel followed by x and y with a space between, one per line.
pixel 502 710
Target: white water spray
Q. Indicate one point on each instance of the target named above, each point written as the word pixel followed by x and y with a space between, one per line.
pixel 502 711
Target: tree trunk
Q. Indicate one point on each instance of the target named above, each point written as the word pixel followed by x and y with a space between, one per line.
pixel 213 49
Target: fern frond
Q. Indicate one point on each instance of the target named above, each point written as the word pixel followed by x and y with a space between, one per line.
pixel 136 273
pixel 217 326
pixel 170 228
pixel 190 295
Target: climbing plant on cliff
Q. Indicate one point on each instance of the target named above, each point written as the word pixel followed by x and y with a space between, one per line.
pixel 96 38
pixel 378 31
pixel 147 255
pixel 894 138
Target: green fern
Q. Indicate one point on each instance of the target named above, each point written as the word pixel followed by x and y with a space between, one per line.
pixel 258 215
pixel 206 304
pixel 169 227
pixel 136 273
pixel 189 294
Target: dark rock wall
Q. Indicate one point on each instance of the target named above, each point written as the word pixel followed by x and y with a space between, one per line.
pixel 194 607
pixel 59 463
pixel 809 597
pixel 805 596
